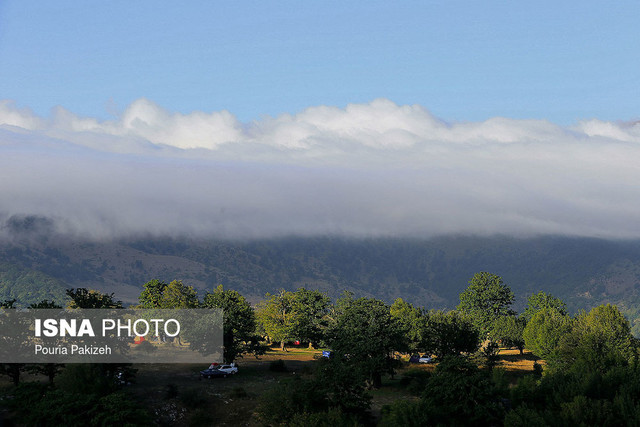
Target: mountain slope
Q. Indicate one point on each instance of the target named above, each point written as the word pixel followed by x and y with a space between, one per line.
pixel 428 272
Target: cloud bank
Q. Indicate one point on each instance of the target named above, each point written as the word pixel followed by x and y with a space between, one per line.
pixel 375 169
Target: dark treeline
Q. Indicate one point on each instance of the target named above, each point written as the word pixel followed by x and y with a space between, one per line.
pixel 588 371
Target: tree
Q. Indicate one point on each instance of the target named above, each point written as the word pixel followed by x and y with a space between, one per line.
pixel 598 340
pixel 46 304
pixel 151 296
pixel 239 323
pixel 368 334
pixel 333 396
pixel 412 323
pixel 89 298
pixel 508 330
pixel 8 303
pixel 449 334
pixel 158 294
pixel 50 370
pixel 486 299
pixel 311 309
pixel 277 315
pixel 545 331
pixel 12 370
pixel 457 394
pixel 537 302
pixel 178 295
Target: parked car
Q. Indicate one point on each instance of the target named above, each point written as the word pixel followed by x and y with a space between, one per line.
pixel 229 369
pixel 219 371
pixel 425 359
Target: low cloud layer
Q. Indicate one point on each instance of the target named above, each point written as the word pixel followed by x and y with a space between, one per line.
pixel 375 169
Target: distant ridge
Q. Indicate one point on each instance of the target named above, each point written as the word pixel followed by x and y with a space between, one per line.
pixel 427 272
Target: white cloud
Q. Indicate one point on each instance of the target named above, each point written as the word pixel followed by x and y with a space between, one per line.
pixel 367 169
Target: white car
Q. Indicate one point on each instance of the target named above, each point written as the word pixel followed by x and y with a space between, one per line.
pixel 425 359
pixel 229 369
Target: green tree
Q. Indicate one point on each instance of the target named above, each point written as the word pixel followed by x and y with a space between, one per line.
pixel 311 310
pixel 368 334
pixel 486 299
pixel 599 340
pixel 457 394
pixel 545 332
pixel 89 298
pixel 449 334
pixel 46 304
pixel 537 302
pixel 158 294
pixel 278 317
pixel 334 396
pixel 50 370
pixel 151 296
pixel 508 330
pixel 178 295
pixel 12 370
pixel 412 322
pixel 239 323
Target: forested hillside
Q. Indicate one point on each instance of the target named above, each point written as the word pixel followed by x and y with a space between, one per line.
pixel 430 273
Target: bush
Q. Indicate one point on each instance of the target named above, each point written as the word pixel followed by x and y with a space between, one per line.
pixel 294 396
pixel 415 380
pixel 35 404
pixel 524 417
pixel 457 393
pixel 85 379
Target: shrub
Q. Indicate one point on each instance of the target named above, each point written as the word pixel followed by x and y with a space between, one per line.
pixel 415 380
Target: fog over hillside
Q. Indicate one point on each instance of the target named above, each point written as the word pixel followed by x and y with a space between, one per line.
pixel 368 170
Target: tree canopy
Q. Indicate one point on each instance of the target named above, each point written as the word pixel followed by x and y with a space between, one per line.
pixel 89 298
pixel 537 302
pixel 449 334
pixel 486 299
pixel 599 339
pixel 239 323
pixel 366 334
pixel 545 331
pixel 277 316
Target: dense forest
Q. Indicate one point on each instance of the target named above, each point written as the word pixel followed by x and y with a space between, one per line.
pixel 587 369
pixel 430 272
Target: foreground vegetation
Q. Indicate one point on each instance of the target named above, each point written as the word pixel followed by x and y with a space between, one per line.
pixel 586 369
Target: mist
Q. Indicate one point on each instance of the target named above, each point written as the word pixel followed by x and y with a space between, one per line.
pixel 366 170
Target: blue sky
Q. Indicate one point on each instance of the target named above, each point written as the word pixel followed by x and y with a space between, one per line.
pixel 463 61
pixel 270 118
